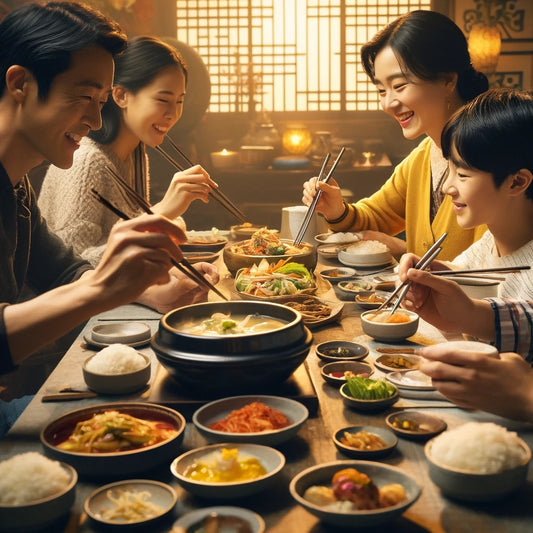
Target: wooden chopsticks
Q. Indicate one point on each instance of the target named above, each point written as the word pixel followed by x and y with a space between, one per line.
pixel 217 194
pixel 312 207
pixel 184 265
pixel 422 264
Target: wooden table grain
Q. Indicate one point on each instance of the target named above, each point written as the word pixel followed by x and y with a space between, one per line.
pixel 313 445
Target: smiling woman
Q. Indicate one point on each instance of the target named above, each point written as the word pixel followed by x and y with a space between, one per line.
pixel 146 101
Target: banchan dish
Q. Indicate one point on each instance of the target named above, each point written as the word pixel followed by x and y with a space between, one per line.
pixel 114 464
pixel 246 362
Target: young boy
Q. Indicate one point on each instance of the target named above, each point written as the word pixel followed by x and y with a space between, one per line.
pixel 488 144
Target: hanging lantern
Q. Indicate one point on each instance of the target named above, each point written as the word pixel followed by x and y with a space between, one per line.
pixel 484 45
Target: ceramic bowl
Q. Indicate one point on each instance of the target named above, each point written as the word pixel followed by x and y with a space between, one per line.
pixel 256 156
pixel 365 450
pixel 370 299
pixel 115 464
pixel 239 518
pixel 237 364
pixel 334 351
pixel 461 485
pixel 98 504
pixel 347 290
pixel 235 260
pixel 200 241
pixel 335 275
pixel 357 255
pixel 272 460
pixel 337 238
pixel 243 231
pixel 40 514
pixel 397 362
pixel 415 425
pixel 334 372
pixel 121 333
pixel 477 288
pixel 389 332
pixel 360 404
pixel 294 411
pixel 381 474
pixel 117 383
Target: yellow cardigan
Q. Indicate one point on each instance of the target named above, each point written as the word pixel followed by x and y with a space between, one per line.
pixel 403 203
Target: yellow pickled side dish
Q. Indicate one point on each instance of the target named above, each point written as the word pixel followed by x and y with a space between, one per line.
pixel 225 466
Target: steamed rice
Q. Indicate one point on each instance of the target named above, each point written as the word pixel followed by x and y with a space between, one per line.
pixel 341 237
pixel 116 359
pixel 29 477
pixel 481 448
pixel 367 247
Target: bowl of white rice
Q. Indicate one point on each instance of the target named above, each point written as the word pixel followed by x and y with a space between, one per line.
pixel 116 369
pixel 365 254
pixel 35 492
pixel 478 461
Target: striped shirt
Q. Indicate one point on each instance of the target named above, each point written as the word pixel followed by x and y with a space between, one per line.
pixel 513 322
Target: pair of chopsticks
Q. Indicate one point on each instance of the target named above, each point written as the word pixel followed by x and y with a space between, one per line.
pixel 217 194
pixel 506 270
pixel 422 264
pixel 312 207
pixel 184 265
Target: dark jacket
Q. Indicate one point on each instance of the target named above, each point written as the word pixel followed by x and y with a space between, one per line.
pixel 29 253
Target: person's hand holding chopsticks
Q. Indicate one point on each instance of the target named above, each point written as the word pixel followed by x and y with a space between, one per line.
pixel 188 185
pixel 444 304
pixel 330 204
pixel 180 290
pixel 139 254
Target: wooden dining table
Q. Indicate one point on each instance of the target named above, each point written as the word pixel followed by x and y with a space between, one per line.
pixel 313 445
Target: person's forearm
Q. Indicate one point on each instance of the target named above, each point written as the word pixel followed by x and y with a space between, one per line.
pixel 36 322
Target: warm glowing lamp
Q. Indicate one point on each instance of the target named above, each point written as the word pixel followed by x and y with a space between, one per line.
pixel 296 140
pixel 484 45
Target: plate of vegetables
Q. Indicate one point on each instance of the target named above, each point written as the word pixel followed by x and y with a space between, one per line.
pixel 270 280
pixel 366 394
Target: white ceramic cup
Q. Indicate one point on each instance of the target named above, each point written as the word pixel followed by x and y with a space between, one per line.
pixel 292 218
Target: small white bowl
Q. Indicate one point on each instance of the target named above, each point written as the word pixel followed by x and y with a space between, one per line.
pixel 161 495
pixel 467 486
pixel 255 523
pixel 121 333
pixel 270 458
pixel 477 288
pixel 337 238
pixel 117 383
pixel 390 332
pixel 295 412
pixel 39 514
pixel 352 256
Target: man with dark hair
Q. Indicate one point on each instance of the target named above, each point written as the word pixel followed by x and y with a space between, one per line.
pixel 56 70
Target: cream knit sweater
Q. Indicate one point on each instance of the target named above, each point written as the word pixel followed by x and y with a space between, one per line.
pixel 70 210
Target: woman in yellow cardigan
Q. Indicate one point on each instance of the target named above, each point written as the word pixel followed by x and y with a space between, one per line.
pixel 421 67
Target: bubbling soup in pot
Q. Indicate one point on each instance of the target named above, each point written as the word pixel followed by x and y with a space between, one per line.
pixel 220 324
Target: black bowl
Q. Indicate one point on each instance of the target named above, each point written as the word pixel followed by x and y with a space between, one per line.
pixel 232 363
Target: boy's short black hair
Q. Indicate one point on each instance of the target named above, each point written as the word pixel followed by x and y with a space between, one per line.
pixel 493 133
pixel 41 37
